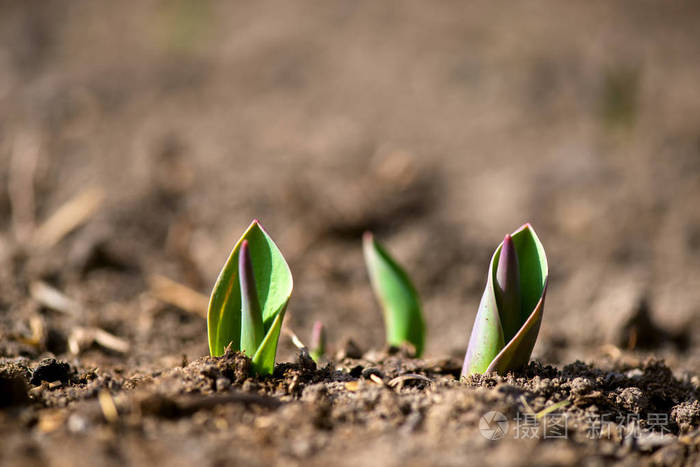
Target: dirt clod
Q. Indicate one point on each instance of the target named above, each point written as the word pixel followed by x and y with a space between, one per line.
pixel 14 390
pixel 51 370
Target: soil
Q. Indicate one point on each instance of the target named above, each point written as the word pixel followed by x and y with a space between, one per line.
pixel 136 145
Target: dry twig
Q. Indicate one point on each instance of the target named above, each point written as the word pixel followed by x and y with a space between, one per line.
pixel 292 335
pixel 53 298
pixel 68 217
pixel 408 377
pixel 81 338
pixel 107 405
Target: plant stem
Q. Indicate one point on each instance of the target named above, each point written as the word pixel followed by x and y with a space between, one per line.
pixel 252 331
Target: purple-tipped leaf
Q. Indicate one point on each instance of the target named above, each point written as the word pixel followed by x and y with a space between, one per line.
pixel 492 347
pixel 251 288
pixel 252 330
pixel 517 352
pixel 317 347
pixel 507 289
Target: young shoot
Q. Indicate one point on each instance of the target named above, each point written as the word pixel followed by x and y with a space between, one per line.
pixel 510 312
pixel 249 299
pixel 397 296
pixel 317 346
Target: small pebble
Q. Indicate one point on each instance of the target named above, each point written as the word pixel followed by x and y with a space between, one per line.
pixel 222 384
pixel 76 423
pixel 368 372
pixel 581 386
pixel 51 369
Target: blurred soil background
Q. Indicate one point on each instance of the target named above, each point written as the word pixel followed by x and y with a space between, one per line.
pixel 138 140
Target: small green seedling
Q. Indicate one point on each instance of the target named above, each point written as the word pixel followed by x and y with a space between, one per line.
pixel 397 296
pixel 510 312
pixel 317 348
pixel 249 299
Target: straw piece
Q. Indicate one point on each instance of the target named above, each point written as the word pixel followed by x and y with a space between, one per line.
pixel 179 295
pixel 109 409
pixel 68 217
pixel 53 298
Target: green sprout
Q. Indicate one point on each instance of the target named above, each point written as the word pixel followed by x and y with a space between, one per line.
pixel 317 348
pixel 249 299
pixel 397 296
pixel 510 312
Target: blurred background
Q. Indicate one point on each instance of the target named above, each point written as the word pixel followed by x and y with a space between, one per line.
pixel 138 140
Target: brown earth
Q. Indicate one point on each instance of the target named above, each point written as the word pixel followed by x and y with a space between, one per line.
pixel 137 142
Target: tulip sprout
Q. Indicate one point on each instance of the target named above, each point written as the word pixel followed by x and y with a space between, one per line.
pixel 397 296
pixel 317 348
pixel 249 299
pixel 510 312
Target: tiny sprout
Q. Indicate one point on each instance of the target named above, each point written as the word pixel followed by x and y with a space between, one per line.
pixel 249 299
pixel 397 296
pixel 510 312
pixel 317 349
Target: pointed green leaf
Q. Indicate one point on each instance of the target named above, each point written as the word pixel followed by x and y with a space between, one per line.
pixel 273 284
pixel 397 296
pixel 533 268
pixel 264 359
pixel 486 339
pixel 488 350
